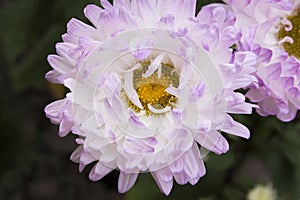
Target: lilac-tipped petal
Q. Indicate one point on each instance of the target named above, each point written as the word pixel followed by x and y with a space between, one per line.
pixel 99 171
pixel 213 141
pixel 59 64
pixel 75 156
pixel 177 166
pixel 141 49
pixel 54 110
pixel 199 159
pixel 272 71
pixel 235 103
pixel 235 128
pixel 289 116
pixel 77 29
pixel 139 146
pixel 165 175
pixel 256 95
pixel 92 12
pixel 126 181
pixel 135 121
pixel 181 178
pixel 64 128
pixel 269 106
pixel 190 166
pixel 165 187
pixel 197 92
pixel 245 59
pixel 106 4
pixel 52 76
pixel 85 159
pixel 167 20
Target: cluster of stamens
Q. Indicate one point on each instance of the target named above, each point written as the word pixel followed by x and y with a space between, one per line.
pixel 152 90
pixel 293 49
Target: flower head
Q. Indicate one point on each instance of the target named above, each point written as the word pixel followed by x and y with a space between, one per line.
pixel 262 192
pixel 271 29
pixel 150 83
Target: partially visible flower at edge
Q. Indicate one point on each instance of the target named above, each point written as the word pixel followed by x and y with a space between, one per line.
pixel 262 192
pixel 150 84
pixel 271 29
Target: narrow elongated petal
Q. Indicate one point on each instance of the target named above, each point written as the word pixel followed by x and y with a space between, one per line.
pixel 235 128
pixel 164 180
pixel 126 181
pixel 213 141
pixel 92 12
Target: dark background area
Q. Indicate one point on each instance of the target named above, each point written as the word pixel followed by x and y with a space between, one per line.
pixel 34 161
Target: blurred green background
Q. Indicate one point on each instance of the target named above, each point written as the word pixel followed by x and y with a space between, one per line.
pixel 34 161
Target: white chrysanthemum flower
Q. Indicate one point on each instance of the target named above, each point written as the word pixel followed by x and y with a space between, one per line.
pixel 261 192
pixel 271 29
pixel 150 83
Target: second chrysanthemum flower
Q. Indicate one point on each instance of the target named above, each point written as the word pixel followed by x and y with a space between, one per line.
pixel 271 30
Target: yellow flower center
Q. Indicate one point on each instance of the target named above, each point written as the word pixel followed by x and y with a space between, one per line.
pixel 152 90
pixel 293 49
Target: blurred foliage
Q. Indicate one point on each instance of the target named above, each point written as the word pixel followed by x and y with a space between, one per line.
pixel 33 160
pixel 31 28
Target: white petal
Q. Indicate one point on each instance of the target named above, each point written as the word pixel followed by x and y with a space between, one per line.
pixel 155 65
pixel 130 91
